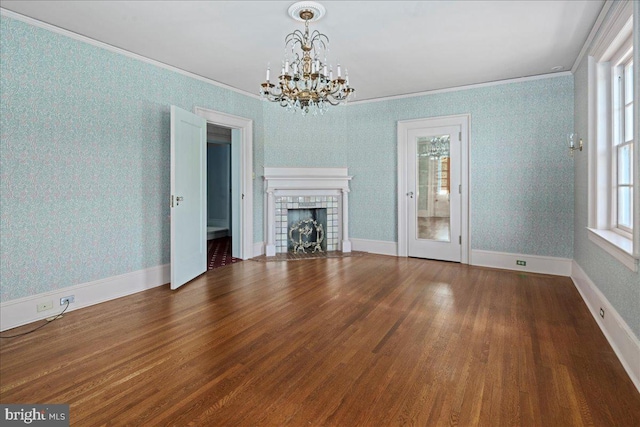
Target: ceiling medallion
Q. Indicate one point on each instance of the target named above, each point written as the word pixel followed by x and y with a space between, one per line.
pixel 306 82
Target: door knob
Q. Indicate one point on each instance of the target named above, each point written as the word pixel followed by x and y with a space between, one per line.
pixel 410 194
pixel 178 200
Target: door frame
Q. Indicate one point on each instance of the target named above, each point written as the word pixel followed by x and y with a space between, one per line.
pixel 404 126
pixel 245 126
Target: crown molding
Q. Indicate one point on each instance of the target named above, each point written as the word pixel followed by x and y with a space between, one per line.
pixel 592 34
pixel 111 48
pixel 613 17
pixel 464 87
pixel 88 40
pixel 617 26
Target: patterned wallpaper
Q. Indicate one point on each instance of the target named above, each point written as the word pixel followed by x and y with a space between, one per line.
pixel 619 284
pixel 521 174
pixel 84 159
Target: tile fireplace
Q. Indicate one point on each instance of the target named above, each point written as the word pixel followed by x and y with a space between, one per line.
pixel 316 198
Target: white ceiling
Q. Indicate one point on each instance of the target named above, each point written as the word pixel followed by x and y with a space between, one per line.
pixel 389 47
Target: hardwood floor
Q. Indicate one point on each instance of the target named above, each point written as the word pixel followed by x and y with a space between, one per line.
pixel 360 341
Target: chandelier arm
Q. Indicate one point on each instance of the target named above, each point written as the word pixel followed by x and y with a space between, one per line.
pixel 331 101
pixel 296 35
pixel 320 38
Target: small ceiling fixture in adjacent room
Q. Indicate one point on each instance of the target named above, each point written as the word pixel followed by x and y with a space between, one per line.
pixel 306 80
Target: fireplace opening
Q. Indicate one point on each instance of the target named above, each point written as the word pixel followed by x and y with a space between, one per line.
pixel 289 210
pixel 307 230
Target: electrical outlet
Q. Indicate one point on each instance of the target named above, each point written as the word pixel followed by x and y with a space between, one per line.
pixel 602 312
pixel 520 262
pixel 43 306
pixel 70 299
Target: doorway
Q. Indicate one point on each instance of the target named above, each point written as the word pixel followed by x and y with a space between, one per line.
pixel 432 188
pixel 220 215
pixel 232 137
pixel 218 182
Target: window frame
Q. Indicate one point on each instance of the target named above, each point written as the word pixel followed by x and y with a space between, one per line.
pixel 622 58
pixel 609 50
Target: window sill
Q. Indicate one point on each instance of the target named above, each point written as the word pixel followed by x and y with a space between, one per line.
pixel 618 246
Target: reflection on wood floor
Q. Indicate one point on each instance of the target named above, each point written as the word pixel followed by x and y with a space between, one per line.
pixel 291 256
pixel 434 228
pixel 361 341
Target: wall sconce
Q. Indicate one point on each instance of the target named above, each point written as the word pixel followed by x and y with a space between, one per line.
pixel 572 138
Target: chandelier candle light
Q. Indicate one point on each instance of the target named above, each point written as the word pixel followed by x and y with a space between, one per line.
pixel 304 82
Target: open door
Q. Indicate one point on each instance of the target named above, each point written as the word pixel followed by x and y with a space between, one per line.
pixel 188 196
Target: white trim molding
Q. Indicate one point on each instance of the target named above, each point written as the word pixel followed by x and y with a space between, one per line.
pixel 615 245
pixel 463 87
pixel 610 28
pixel 379 247
pixel 620 336
pixel 534 263
pixel 258 249
pixel 245 126
pixel 21 311
pixel 404 126
pixel 612 38
pixel 592 34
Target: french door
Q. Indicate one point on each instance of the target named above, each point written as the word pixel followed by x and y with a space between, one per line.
pixel 431 188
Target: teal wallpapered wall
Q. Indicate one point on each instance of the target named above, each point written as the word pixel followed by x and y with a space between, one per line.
pixel 84 159
pixel 219 185
pixel 620 285
pixel 520 171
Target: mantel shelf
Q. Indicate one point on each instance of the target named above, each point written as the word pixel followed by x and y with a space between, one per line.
pixel 306 178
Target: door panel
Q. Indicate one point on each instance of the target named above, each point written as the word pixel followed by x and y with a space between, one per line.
pixel 188 196
pixel 433 180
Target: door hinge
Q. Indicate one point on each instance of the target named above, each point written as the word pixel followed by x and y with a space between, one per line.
pixel 243 197
pixel 459 240
pixel 459 136
pixel 172 200
pixel 460 189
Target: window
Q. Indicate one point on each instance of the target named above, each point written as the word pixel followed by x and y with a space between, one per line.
pixel 612 139
pixel 622 149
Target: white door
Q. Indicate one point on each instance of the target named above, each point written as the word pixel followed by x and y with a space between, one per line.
pixel 188 196
pixel 433 192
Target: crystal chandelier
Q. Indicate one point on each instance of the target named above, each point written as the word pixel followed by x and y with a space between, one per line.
pixel 306 81
pixel 435 147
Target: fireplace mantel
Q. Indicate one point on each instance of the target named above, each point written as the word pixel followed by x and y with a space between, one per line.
pixel 306 178
pixel 302 182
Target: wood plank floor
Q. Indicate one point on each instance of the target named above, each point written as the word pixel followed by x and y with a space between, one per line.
pixel 360 341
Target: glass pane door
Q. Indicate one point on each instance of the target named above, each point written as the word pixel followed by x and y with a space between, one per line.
pixel 434 185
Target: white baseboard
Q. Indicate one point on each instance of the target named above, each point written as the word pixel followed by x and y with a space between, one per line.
pixel 21 311
pixel 535 263
pixel 375 246
pixel 258 249
pixel 620 336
